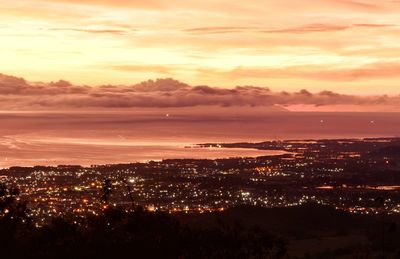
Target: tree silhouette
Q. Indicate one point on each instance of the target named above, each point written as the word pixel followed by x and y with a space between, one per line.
pixel 10 205
pixel 106 191
pixel 108 188
pixel 129 189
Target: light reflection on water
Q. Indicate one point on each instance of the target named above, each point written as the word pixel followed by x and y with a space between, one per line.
pixel 101 138
pixel 89 152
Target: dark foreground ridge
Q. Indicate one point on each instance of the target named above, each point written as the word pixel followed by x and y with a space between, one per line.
pixel 306 231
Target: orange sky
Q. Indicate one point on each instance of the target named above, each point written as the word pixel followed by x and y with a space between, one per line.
pixel 344 46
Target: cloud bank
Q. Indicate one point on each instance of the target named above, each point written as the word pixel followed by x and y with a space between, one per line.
pixel 19 94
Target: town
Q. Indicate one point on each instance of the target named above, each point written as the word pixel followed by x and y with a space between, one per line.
pixel 356 175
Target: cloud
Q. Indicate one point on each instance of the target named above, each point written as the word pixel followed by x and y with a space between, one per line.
pixel 11 84
pixel 307 28
pixel 359 4
pixel 368 71
pixel 319 27
pixel 17 93
pixel 16 87
pixel 219 29
pixel 117 3
pixel 229 5
pixel 160 69
pixel 95 31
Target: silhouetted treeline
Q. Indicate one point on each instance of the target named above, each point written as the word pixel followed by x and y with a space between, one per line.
pixel 138 234
pixel 307 231
pixel 117 233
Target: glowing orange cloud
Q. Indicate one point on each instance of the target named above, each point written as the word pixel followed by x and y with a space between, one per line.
pixel 350 46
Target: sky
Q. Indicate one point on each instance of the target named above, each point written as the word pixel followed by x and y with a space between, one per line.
pixel 342 46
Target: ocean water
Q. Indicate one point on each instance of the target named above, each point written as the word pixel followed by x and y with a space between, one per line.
pixel 85 138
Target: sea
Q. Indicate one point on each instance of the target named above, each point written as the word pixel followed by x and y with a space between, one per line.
pixel 110 137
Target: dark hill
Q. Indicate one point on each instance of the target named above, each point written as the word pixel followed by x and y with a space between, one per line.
pixel 389 151
pixel 299 221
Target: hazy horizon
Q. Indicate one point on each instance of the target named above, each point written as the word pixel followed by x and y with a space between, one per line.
pixel 28 139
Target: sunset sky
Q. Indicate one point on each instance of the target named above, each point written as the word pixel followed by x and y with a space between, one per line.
pixel 345 46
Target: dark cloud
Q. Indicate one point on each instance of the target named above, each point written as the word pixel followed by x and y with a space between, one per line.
pixel 16 93
pixel 11 84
